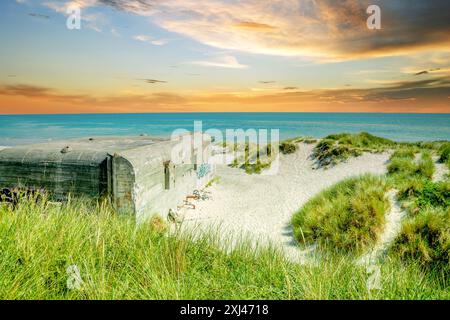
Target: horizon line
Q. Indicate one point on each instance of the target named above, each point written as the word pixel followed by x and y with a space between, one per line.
pixel 218 112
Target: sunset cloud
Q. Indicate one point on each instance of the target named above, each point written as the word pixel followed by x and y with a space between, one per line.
pixel 324 29
pixel 153 81
pixel 250 25
pixel 401 96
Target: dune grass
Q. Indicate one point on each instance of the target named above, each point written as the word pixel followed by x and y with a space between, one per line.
pixel 346 217
pixel 287 147
pixel 306 139
pixel 425 239
pixel 253 158
pixel 118 259
pixel 404 166
pixel 444 153
pixel 336 148
pixel 425 234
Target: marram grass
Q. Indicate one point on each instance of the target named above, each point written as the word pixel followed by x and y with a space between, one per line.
pixel 347 216
pixel 117 259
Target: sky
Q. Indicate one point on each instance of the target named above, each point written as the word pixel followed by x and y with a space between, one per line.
pixel 224 56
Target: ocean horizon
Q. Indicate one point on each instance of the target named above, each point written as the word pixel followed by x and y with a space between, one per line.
pixel 26 129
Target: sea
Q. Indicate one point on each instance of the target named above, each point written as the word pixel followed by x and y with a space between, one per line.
pixel 27 129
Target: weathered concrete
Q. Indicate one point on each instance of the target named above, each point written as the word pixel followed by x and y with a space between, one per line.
pixel 137 173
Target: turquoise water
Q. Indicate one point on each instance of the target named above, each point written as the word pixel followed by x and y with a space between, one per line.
pixel 20 129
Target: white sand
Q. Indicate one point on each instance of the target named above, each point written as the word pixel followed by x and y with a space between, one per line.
pixel 441 170
pixel 261 206
pixel 391 229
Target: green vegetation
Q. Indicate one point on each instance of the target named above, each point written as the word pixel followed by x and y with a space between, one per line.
pixel 444 153
pixel 119 260
pixel 421 194
pixel 307 140
pixel 425 238
pixel 346 217
pixel 255 168
pixel 403 166
pixel 287 147
pixel 214 180
pixel 254 159
pixel 425 234
pixel 336 148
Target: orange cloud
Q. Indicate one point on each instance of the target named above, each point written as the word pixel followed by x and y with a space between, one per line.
pixel 249 25
pixel 429 95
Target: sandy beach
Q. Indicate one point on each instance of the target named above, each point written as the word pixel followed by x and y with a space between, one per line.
pixel 260 206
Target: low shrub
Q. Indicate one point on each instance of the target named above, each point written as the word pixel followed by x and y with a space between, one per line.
pixel 433 194
pixel 418 193
pixel 347 217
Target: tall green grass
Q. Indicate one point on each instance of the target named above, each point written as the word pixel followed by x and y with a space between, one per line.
pixel 425 234
pixel 287 147
pixel 403 166
pixel 336 148
pixel 444 152
pixel 346 217
pixel 118 259
pixel 425 239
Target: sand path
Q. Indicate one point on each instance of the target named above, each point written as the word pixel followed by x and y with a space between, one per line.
pixel 441 170
pixel 391 229
pixel 260 206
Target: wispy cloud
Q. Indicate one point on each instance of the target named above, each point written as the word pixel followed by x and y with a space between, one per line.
pixel 267 82
pixel 221 62
pixel 151 40
pixel 153 81
pixel 38 15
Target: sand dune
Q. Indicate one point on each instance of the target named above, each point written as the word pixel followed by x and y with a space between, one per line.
pixel 260 207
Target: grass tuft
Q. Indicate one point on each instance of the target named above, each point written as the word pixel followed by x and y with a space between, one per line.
pixel 287 147
pixel 404 167
pixel 425 238
pixel 336 148
pixel 444 153
pixel 347 217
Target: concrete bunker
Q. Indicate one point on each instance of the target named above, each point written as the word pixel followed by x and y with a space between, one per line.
pixel 137 174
